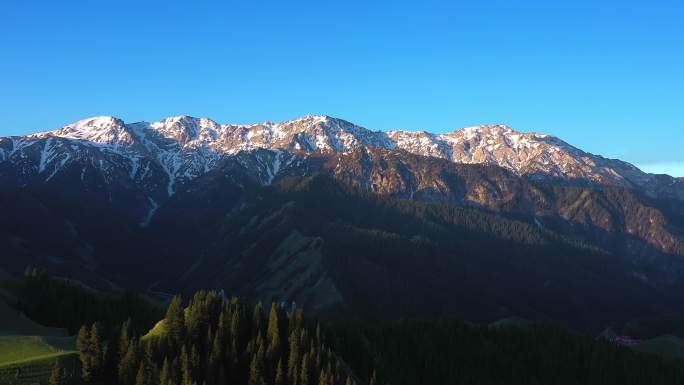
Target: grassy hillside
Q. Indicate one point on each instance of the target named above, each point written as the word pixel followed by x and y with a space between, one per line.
pixel 29 350
pixel 26 360
pixel 14 349
pixel 159 330
pixel 36 370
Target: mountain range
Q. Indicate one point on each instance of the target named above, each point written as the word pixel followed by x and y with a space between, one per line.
pixel 483 222
pixel 184 148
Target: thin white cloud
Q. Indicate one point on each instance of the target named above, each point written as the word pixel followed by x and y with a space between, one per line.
pixel 670 168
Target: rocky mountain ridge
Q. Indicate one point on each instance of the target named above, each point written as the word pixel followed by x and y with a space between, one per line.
pixel 183 148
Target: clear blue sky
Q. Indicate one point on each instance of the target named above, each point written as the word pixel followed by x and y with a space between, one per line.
pixel 606 76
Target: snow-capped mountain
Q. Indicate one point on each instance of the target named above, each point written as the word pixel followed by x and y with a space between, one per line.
pixel 183 148
pixel 281 210
pixel 522 153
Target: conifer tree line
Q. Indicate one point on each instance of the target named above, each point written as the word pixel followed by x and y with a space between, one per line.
pixel 212 341
pixel 65 304
pixel 452 352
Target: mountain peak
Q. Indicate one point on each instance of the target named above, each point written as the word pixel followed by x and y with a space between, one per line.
pixel 178 119
pixel 97 129
pixel 177 140
pixel 312 119
pixel 97 123
pixel 497 129
pixel 102 120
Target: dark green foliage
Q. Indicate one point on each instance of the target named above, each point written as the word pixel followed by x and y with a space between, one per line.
pixel 84 353
pixel 143 377
pixel 304 373
pixel 215 341
pixel 91 353
pixel 129 364
pixel 166 377
pixel 125 335
pixel 280 374
pixel 452 352
pixel 58 303
pixel 273 331
pixel 59 375
pixel 175 320
pixel 233 343
pixel 257 368
pixel 96 351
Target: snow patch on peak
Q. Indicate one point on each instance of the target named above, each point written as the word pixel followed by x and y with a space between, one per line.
pixel 178 118
pixel 102 120
pixel 313 119
pixel 96 130
pixel 185 147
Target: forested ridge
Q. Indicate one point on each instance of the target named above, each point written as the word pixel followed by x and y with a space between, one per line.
pixel 424 352
pixel 68 304
pixel 212 341
pixel 216 341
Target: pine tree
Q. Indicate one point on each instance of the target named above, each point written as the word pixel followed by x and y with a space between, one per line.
pixel 273 332
pixel 165 377
pixel 280 374
pixel 124 338
pixel 176 372
pixel 223 327
pixel 82 341
pixel 373 379
pixel 96 351
pixel 350 381
pixel 175 320
pixel 324 378
pixel 215 358
pixel 186 370
pixel 129 364
pixel 58 375
pixel 258 320
pixel 304 373
pixel 257 375
pixel 195 362
pixel 293 360
pixel 237 331
pixel 296 319
pixel 84 353
pixel 142 378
